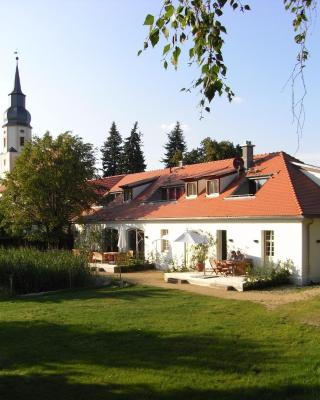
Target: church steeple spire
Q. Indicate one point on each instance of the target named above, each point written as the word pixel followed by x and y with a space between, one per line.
pixel 16 131
pixel 17 85
pixel 17 114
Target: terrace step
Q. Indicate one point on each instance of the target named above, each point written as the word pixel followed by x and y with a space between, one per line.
pixel 217 282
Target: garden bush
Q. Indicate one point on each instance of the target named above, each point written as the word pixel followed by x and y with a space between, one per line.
pixel 136 266
pixel 26 270
pixel 269 275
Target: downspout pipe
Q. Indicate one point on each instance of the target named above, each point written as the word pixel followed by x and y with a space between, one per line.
pixel 309 223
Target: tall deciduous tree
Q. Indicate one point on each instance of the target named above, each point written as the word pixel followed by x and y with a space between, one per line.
pixel 48 187
pixel 211 150
pixel 133 157
pixel 175 147
pixel 112 159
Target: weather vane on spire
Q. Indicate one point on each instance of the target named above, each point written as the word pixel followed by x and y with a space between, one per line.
pixel 17 55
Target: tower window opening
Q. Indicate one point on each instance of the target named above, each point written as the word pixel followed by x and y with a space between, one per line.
pixel 21 141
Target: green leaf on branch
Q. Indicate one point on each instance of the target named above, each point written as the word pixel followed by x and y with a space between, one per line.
pixel 154 36
pixel 169 11
pixel 166 49
pixel 149 20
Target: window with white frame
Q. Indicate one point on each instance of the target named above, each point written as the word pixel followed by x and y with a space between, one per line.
pixel 164 240
pixel 191 189
pixel 269 243
pixel 213 187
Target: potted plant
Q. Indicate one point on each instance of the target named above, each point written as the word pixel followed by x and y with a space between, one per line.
pixel 199 255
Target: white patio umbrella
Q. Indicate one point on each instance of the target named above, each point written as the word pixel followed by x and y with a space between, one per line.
pixel 190 237
pixel 122 242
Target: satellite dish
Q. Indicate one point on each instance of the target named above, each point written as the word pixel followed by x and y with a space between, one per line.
pixel 238 163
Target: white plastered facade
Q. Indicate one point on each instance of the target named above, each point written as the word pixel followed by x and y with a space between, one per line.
pixel 297 240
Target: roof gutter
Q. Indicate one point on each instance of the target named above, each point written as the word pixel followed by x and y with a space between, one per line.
pixel 249 218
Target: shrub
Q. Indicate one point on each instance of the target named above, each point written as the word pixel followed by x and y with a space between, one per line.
pixel 27 270
pixel 134 267
pixel 269 275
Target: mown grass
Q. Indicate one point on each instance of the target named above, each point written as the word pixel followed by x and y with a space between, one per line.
pixel 149 343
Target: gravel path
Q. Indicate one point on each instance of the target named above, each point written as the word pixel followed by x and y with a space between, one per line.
pixel 269 298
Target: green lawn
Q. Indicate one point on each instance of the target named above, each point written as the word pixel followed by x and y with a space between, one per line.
pixel 149 343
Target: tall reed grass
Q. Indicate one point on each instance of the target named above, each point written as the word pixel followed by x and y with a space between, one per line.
pixel 26 270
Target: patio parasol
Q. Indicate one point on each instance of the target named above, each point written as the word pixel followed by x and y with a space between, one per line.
pixel 122 243
pixel 190 237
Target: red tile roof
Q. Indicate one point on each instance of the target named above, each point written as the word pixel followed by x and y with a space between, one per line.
pixel 287 193
pixel 103 185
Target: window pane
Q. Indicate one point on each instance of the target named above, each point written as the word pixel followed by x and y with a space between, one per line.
pixel 213 186
pixel 172 193
pixel 191 189
pixel 164 195
pixel 269 243
pixel 164 242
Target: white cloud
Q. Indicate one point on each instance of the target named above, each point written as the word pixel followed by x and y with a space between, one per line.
pixel 238 100
pixel 170 126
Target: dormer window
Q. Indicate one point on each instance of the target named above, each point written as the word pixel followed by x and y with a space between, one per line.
pixel 127 194
pixel 213 187
pixel 191 189
pixel 250 186
pixel 172 193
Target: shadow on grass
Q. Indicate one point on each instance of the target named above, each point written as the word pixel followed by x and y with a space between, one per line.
pixel 52 387
pixel 38 344
pixel 129 293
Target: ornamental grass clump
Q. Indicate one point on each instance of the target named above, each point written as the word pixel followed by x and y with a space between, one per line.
pixel 28 270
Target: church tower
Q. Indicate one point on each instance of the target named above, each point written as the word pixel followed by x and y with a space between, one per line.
pixel 16 130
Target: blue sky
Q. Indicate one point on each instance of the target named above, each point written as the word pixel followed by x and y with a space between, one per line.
pixel 80 71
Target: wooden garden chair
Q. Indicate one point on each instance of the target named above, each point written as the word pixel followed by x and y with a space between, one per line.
pixel 220 267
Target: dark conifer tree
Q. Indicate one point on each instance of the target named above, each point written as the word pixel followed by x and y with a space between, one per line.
pixel 133 157
pixel 175 148
pixel 112 153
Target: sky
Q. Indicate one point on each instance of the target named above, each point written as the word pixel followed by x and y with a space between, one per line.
pixel 80 71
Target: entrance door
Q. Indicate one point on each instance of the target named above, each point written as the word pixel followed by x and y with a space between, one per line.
pixel 222 247
pixel 136 242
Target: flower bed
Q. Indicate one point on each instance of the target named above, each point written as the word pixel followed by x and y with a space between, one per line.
pixel 268 276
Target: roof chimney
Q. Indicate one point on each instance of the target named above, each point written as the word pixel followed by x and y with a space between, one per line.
pixel 247 154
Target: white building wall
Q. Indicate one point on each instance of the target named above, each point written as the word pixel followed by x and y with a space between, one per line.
pixel 11 138
pixel 243 235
